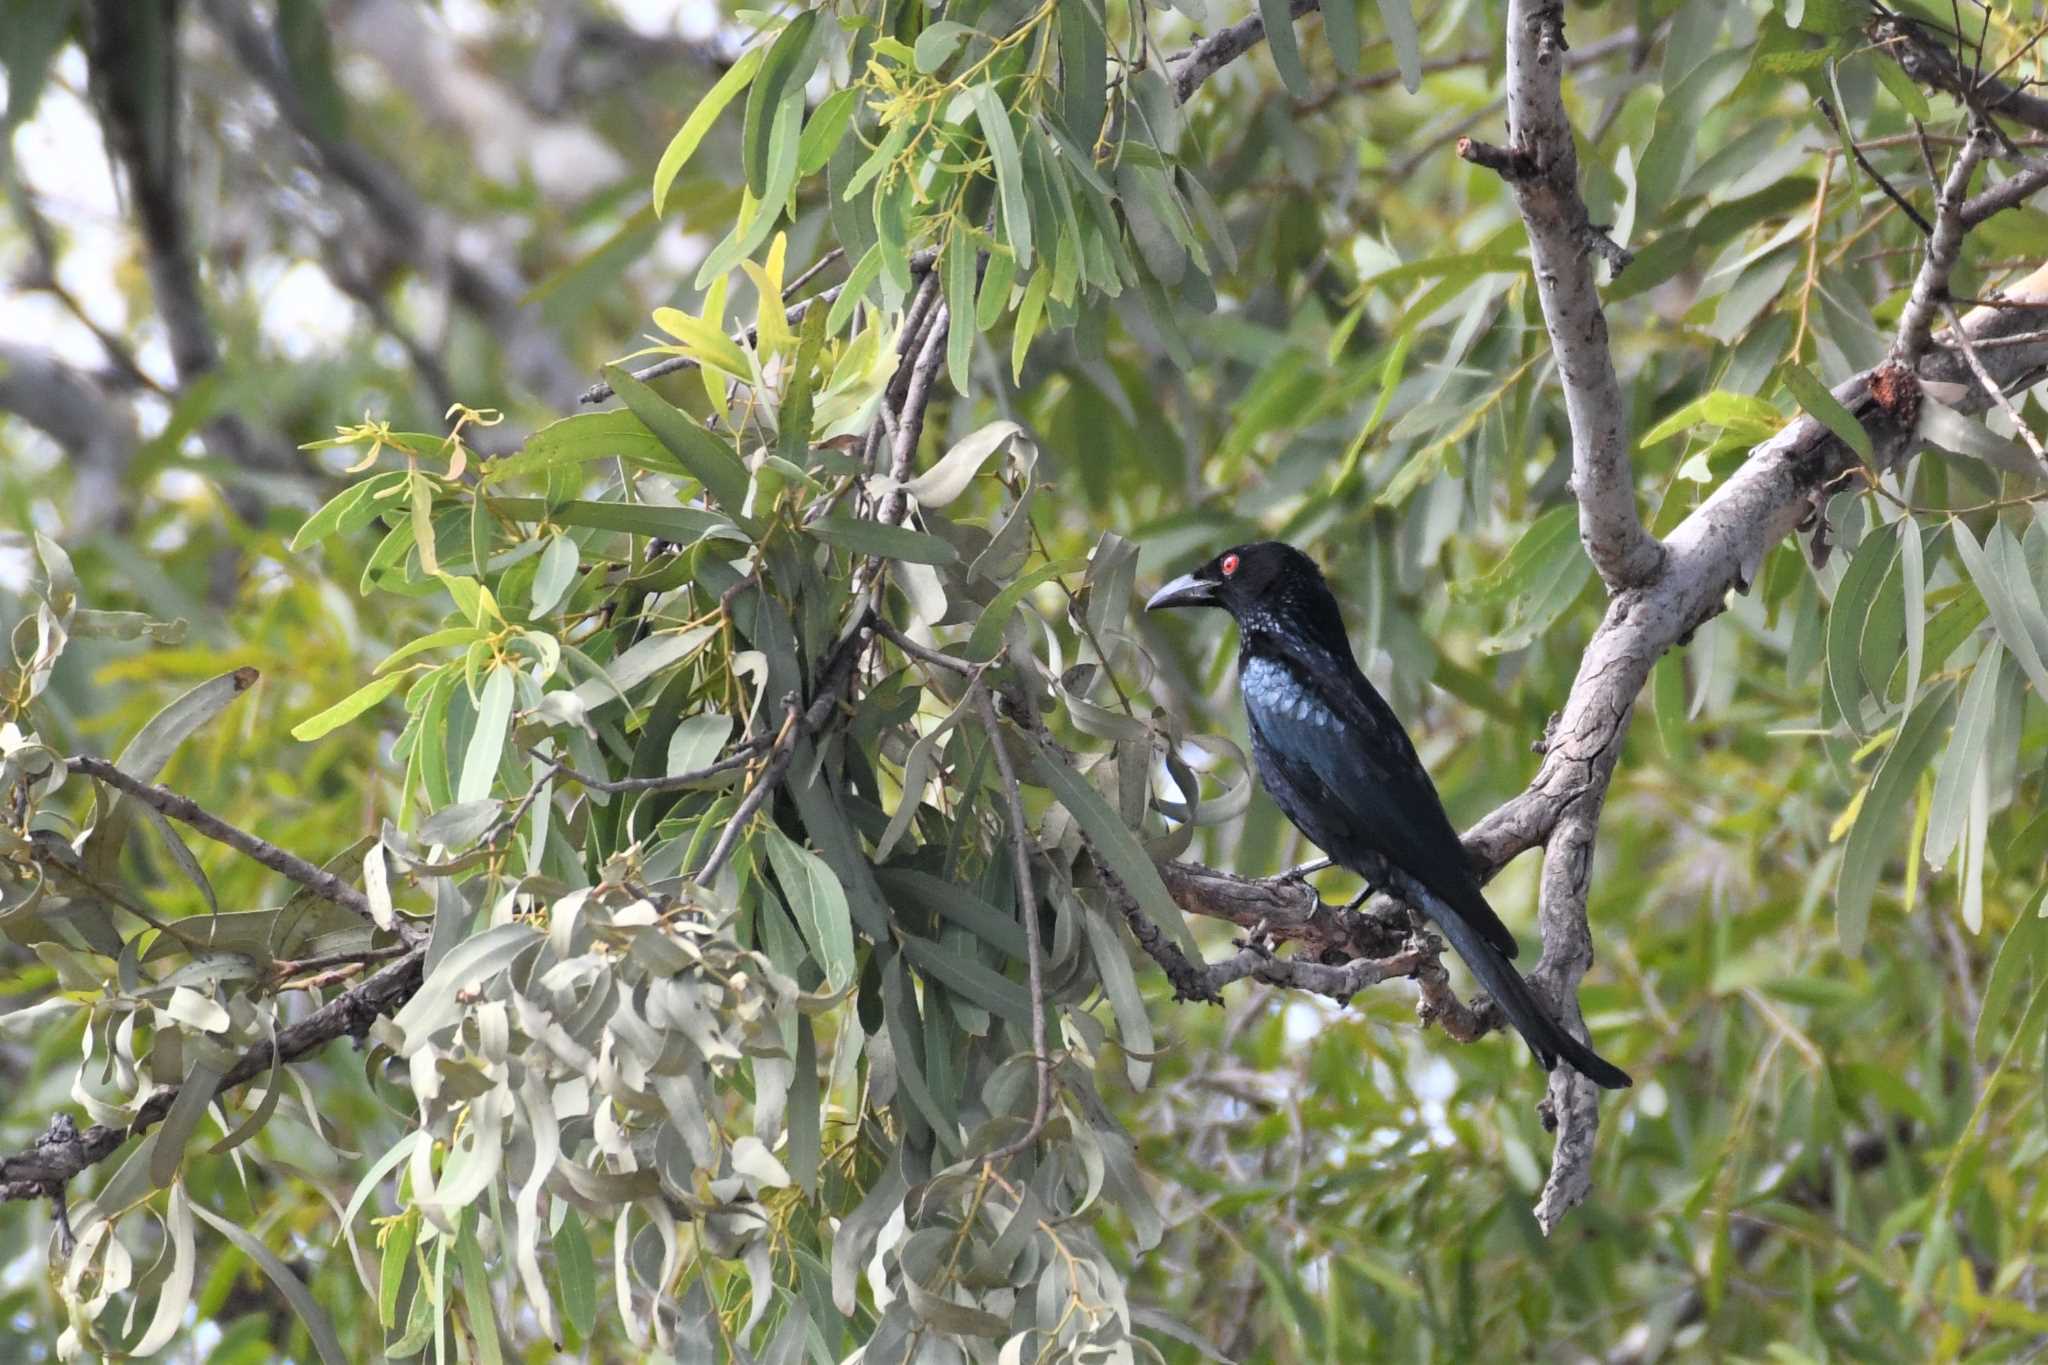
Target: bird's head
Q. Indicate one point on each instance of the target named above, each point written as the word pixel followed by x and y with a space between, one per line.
pixel 1265 585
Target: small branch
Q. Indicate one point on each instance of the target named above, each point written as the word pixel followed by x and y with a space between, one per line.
pixel 833 679
pixel 1027 910
pixel 739 758
pixel 763 787
pixel 1338 982
pixel 1931 63
pixel 1891 192
pixel 2008 193
pixel 1991 386
pixel 917 397
pixel 63 1151
pixel 1198 63
pixel 1541 167
pixel 1944 247
pixel 189 812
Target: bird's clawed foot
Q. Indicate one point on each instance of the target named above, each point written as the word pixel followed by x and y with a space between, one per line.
pixel 1306 870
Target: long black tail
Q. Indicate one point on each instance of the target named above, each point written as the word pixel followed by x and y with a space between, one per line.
pixel 1545 1036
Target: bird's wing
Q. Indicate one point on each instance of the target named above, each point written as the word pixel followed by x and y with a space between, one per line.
pixel 1366 765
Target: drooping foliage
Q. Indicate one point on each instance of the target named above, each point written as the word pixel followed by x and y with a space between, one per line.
pixel 680 736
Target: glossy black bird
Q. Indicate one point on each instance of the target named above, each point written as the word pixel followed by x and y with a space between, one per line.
pixel 1336 760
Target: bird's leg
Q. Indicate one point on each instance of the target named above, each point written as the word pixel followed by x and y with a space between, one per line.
pixel 1371 889
pixel 1302 873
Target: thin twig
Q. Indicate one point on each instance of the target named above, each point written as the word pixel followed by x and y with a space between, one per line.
pixel 1027 910
pixel 759 792
pixel 1827 112
pixel 739 758
pixel 189 812
pixel 1991 386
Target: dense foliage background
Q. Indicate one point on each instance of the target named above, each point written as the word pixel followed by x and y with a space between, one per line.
pixel 311 524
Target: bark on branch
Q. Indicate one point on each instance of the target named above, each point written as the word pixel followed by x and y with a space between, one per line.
pixel 1541 165
pixel 63 1151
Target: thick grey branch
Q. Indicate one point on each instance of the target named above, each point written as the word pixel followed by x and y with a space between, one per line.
pixel 1541 165
pixel 1944 247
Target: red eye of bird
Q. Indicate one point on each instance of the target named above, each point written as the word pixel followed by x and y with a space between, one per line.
pixel 1229 565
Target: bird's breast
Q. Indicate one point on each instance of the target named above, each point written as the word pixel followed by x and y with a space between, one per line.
pixel 1275 692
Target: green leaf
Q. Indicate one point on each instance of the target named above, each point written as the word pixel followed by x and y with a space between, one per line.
pixel 577 1273
pixel 684 525
pixel 826 130
pixel 1869 567
pixel 614 433
pixel 1871 839
pixel 481 1312
pixel 1988 570
pixel 700 120
pixel 707 458
pixel 1738 413
pixel 1824 408
pixel 971 980
pixel 1084 69
pixel 183 1117
pixel 704 343
pixel 397 1259
pixel 781 81
pixel 1539 579
pixel 556 571
pixel 1002 146
pixel 1399 17
pixel 349 707
pixel 487 740
pixel 1279 18
pixel 328 519
pixel 889 542
pixel 317 1326
pixel 960 272
pixel 467 965
pixel 697 742
pixel 1965 755
pixel 819 904
pixel 937 44
pixel 2021 958
pixel 1116 845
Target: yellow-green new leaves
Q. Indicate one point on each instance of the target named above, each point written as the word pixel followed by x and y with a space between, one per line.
pixel 684 143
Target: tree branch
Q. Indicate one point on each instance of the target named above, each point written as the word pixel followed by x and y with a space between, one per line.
pixel 63 1151
pixel 1944 247
pixel 1931 63
pixel 184 809
pixel 1541 166
pixel 1198 63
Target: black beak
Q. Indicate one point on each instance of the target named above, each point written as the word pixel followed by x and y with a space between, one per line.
pixel 1185 591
